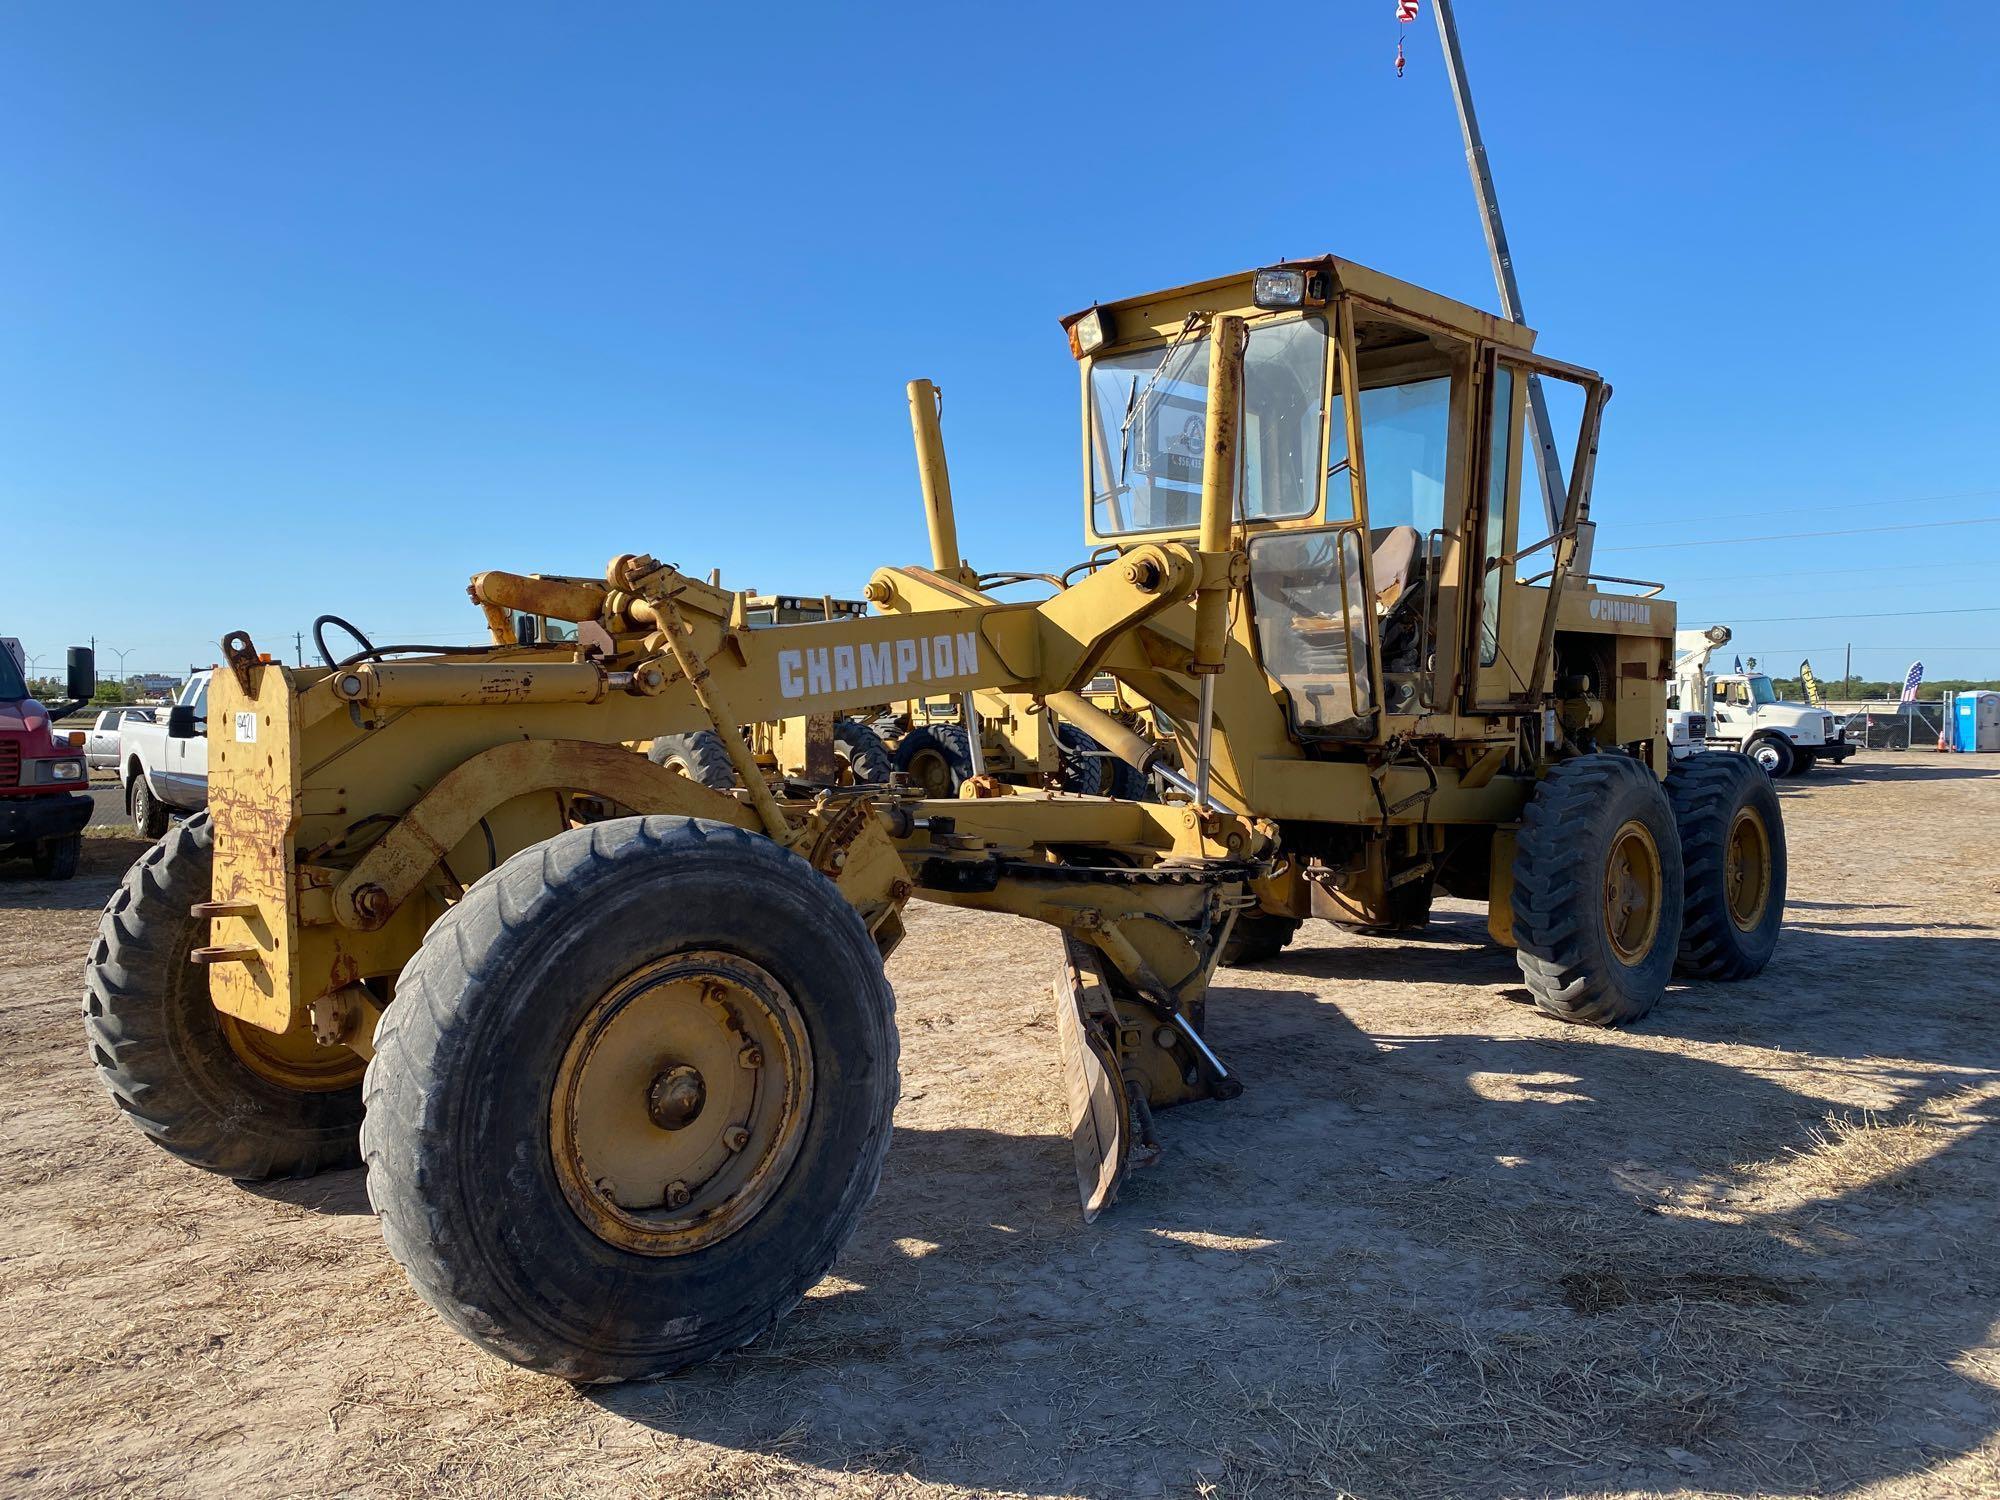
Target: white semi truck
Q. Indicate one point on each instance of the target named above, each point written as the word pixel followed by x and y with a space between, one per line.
pixel 1742 711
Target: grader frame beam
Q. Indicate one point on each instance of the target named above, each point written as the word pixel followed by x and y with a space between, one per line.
pixel 456 753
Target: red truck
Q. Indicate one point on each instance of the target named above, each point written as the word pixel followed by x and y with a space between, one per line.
pixel 44 785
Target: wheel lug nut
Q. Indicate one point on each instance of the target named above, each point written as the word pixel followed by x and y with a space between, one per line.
pixel 678 1195
pixel 750 1057
pixel 736 1138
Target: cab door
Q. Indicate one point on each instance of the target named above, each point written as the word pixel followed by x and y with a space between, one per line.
pixel 1494 675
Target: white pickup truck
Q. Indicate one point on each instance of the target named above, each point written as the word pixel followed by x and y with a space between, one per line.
pixel 163 766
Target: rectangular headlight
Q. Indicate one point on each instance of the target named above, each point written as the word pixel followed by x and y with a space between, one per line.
pixel 1089 333
pixel 50 770
pixel 1279 288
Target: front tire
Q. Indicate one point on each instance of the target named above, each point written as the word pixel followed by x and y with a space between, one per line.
pixel 149 813
pixel 1733 848
pixel 202 1085
pixel 1771 754
pixel 57 859
pixel 1598 891
pixel 552 1106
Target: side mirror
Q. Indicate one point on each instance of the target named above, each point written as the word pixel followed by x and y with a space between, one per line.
pixel 181 722
pixel 82 673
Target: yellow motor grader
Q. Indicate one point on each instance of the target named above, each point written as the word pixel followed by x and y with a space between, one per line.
pixel 616 1047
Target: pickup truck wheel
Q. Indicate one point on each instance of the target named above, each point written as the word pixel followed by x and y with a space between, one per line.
pixel 149 813
pixel 1772 754
pixel 221 1095
pixel 57 859
pixel 632 1097
pixel 1598 891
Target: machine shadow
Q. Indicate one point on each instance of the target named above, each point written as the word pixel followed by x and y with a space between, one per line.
pixel 1428 1264
pixel 105 861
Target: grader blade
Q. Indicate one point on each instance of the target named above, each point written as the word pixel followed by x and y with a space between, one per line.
pixel 1099 1099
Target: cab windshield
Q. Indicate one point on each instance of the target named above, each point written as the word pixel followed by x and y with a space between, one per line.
pixel 1148 421
pixel 1761 690
pixel 12 688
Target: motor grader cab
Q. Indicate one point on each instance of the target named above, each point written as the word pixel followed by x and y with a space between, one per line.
pixel 617 1047
pixel 1411 646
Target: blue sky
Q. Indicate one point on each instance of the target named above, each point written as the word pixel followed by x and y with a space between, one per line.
pixel 323 307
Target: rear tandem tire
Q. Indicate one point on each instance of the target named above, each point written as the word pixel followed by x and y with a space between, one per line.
pixel 1258 937
pixel 164 1051
pixel 1733 847
pixel 489 1193
pixel 1598 891
pixel 700 756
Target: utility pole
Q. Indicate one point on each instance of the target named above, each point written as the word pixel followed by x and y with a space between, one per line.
pixel 298 648
pixel 1554 499
pixel 1847 678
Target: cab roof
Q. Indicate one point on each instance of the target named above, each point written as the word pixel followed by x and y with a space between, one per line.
pixel 1167 308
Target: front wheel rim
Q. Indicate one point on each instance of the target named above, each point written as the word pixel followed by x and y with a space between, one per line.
pixel 1633 889
pixel 680 1103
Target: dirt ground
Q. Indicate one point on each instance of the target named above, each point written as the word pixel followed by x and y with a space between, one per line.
pixel 1441 1246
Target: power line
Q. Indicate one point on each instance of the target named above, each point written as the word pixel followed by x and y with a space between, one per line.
pixel 1941 567
pixel 1791 536
pixel 1810 510
pixel 1890 614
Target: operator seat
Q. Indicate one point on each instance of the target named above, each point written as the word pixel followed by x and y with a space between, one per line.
pixel 1395 554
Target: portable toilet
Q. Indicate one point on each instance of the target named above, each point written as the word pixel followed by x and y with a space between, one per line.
pixel 1976 721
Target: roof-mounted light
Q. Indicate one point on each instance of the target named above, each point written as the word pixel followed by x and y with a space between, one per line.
pixel 1279 287
pixel 1090 332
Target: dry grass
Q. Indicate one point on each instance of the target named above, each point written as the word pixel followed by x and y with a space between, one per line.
pixel 1439 1248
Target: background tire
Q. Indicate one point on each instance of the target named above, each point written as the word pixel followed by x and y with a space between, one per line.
pixel 149 813
pixel 461 1166
pixel 864 759
pixel 1130 784
pixel 1258 937
pixel 1772 755
pixel 1081 762
pixel 1582 813
pixel 164 1051
pixel 1729 931
pixel 700 756
pixel 57 859
pixel 936 758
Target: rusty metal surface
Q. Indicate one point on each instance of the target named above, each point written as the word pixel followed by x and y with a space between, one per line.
pixel 253 803
pixel 387 874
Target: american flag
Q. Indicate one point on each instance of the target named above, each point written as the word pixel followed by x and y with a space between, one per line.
pixel 1406 10
pixel 1910 682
